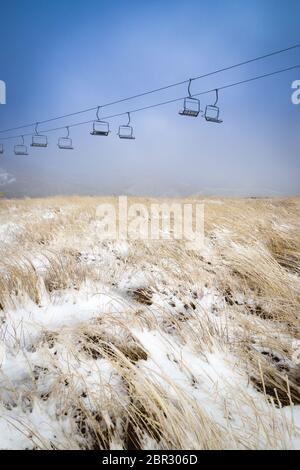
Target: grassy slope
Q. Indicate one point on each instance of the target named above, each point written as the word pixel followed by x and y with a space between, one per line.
pixel 145 344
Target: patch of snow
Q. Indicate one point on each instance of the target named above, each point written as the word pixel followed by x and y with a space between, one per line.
pixel 48 215
pixel 25 325
pixel 133 279
pixel 215 381
pixel 8 231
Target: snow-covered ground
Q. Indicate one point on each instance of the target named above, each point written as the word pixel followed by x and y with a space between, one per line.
pixel 122 344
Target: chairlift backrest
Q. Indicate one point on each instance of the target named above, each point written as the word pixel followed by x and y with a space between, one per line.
pixel 39 141
pixel 191 107
pixel 65 143
pixel 20 149
pixel 100 128
pixel 212 111
pixel 212 114
pixel 126 132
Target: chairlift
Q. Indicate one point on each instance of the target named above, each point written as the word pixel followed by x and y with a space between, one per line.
pixel 39 140
pixel 126 131
pixel 1 149
pixel 212 111
pixel 100 128
pixel 191 106
pixel 65 143
pixel 21 149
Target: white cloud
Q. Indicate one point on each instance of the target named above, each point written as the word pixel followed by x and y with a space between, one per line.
pixel 6 178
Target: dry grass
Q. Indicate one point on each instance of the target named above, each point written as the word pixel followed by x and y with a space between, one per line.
pixel 199 353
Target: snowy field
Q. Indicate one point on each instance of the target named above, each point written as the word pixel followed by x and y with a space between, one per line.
pixel 133 344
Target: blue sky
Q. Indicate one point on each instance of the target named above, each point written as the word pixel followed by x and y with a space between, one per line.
pixel 60 56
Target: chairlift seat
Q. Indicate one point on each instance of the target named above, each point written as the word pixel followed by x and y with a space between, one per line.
pixel 100 128
pixel 212 114
pixel 65 143
pixel 126 132
pixel 20 150
pixel 39 141
pixel 191 107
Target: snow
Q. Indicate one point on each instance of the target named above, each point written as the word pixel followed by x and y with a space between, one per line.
pixel 47 372
pixel 2 354
pixel 48 215
pixel 25 325
pixel 208 379
pixel 133 280
pixel 8 231
pixel 22 419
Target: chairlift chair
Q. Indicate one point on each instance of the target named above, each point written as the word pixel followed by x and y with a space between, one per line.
pixel 65 143
pixel 100 128
pixel 126 131
pixel 39 140
pixel 1 149
pixel 212 112
pixel 21 149
pixel 191 106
